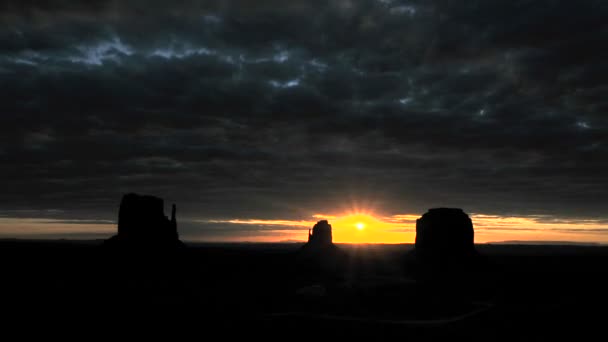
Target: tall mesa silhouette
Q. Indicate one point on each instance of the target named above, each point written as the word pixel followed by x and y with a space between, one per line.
pixel 444 237
pixel 445 230
pixel 142 223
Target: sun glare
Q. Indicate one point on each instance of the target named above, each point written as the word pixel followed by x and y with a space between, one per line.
pixel 365 227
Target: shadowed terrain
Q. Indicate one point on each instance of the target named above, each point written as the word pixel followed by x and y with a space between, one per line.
pixel 523 292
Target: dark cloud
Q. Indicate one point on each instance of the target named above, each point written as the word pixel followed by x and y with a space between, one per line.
pixel 266 109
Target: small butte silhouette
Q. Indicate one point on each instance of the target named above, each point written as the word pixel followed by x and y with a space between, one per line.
pixel 320 235
pixel 142 224
pixel 320 251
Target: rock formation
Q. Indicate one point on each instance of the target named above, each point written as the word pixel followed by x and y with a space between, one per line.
pixel 444 242
pixel 320 234
pixel 142 222
pixel 445 231
pixel 319 253
pixel 444 253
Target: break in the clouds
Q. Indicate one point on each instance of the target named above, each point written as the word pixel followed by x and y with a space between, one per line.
pixel 277 110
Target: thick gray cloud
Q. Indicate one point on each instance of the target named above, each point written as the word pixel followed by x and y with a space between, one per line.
pixel 263 109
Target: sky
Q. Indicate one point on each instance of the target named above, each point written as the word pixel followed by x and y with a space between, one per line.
pixel 258 118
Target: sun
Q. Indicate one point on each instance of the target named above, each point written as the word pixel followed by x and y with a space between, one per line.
pixel 360 225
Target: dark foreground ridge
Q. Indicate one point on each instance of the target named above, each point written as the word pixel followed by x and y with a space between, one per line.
pixel 142 223
pixel 538 293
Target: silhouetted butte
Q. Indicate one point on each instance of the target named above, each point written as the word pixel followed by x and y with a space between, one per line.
pixel 320 234
pixel 320 250
pixel 445 231
pixel 142 223
pixel 445 236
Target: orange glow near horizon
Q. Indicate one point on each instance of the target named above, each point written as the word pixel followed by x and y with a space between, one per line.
pixel 351 227
pixel 365 227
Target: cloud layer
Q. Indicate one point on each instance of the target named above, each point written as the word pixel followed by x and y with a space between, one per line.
pixel 241 109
